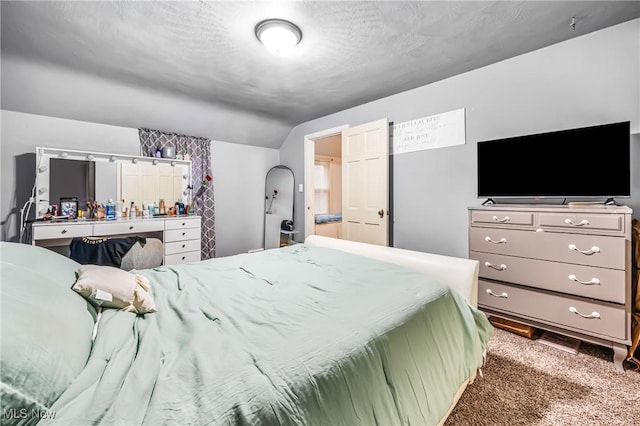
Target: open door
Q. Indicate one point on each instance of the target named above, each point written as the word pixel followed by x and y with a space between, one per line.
pixel 365 183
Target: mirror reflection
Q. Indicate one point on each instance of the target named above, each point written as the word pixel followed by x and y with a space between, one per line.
pixel 278 218
pixel 100 181
pixel 74 178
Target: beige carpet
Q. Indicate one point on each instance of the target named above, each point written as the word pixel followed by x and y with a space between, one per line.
pixel 527 383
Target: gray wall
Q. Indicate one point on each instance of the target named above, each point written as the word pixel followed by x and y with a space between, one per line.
pixel 239 172
pixel 585 81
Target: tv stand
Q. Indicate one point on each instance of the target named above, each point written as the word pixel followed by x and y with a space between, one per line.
pixel 489 200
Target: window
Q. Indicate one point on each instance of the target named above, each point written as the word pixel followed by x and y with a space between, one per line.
pixel 322 184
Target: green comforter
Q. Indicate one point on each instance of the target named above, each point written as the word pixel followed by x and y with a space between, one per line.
pixel 299 335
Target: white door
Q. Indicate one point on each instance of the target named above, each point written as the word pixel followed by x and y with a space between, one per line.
pixel 130 181
pixel 365 183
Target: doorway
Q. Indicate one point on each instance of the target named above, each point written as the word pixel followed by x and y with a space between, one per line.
pixel 323 145
pixel 327 181
pixel 364 159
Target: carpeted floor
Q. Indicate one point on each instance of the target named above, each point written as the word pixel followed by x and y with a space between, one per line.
pixel 527 383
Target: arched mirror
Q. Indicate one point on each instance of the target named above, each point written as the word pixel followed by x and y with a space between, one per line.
pixel 278 207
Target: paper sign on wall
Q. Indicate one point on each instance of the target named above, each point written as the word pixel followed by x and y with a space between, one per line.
pixel 436 131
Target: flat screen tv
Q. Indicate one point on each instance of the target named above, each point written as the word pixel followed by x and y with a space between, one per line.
pixel 584 162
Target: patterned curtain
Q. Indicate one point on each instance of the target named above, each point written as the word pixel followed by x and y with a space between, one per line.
pixel 199 151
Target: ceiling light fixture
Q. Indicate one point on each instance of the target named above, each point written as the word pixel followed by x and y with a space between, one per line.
pixel 277 35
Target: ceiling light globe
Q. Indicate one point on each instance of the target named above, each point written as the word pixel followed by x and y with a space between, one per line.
pixel 278 36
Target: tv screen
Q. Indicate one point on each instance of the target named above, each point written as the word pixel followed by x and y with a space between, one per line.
pixel 584 162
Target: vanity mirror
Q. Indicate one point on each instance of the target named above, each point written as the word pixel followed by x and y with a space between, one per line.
pixel 99 176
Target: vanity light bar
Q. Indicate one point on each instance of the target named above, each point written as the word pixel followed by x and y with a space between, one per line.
pixel 105 156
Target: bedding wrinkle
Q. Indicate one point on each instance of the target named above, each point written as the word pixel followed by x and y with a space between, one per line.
pixel 348 388
pixel 280 384
pixel 386 370
pixel 252 275
pixel 410 377
pixel 415 394
pixel 209 316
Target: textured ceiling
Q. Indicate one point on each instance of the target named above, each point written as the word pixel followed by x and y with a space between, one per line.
pixel 351 52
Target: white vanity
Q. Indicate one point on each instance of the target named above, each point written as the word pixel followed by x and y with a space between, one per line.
pixel 180 235
pixel 102 176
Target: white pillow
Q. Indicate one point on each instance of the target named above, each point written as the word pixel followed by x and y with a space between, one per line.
pixel 111 287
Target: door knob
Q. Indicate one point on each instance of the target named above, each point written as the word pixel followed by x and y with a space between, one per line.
pixel 381 213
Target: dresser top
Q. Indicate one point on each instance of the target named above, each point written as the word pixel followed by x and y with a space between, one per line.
pixel 565 208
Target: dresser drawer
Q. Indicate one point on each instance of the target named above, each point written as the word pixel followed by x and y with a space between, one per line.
pixel 592 250
pixel 182 223
pixel 502 217
pixel 174 259
pixel 126 227
pixel 182 234
pixel 564 311
pixel 609 222
pixel 597 283
pixel 182 246
pixel 69 230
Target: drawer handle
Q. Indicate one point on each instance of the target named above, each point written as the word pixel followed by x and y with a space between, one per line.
pixel 583 222
pixel 504 219
pixel 184 233
pixel 184 245
pixel 592 281
pixel 501 267
pixel 503 295
pixel 184 257
pixel 131 227
pixel 592 250
pixel 184 223
pixel 592 315
pixel 500 241
pixel 64 231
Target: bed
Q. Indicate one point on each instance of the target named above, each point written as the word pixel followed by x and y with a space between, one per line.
pixel 328 332
pixel 328 225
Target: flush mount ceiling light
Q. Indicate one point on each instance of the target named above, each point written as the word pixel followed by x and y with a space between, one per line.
pixel 277 35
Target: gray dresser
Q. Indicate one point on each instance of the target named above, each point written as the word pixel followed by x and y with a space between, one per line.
pixel 561 268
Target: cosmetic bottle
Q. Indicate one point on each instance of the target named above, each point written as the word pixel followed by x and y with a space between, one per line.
pixel 110 210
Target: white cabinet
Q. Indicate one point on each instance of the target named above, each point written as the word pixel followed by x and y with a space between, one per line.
pixel 181 235
pixel 182 238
